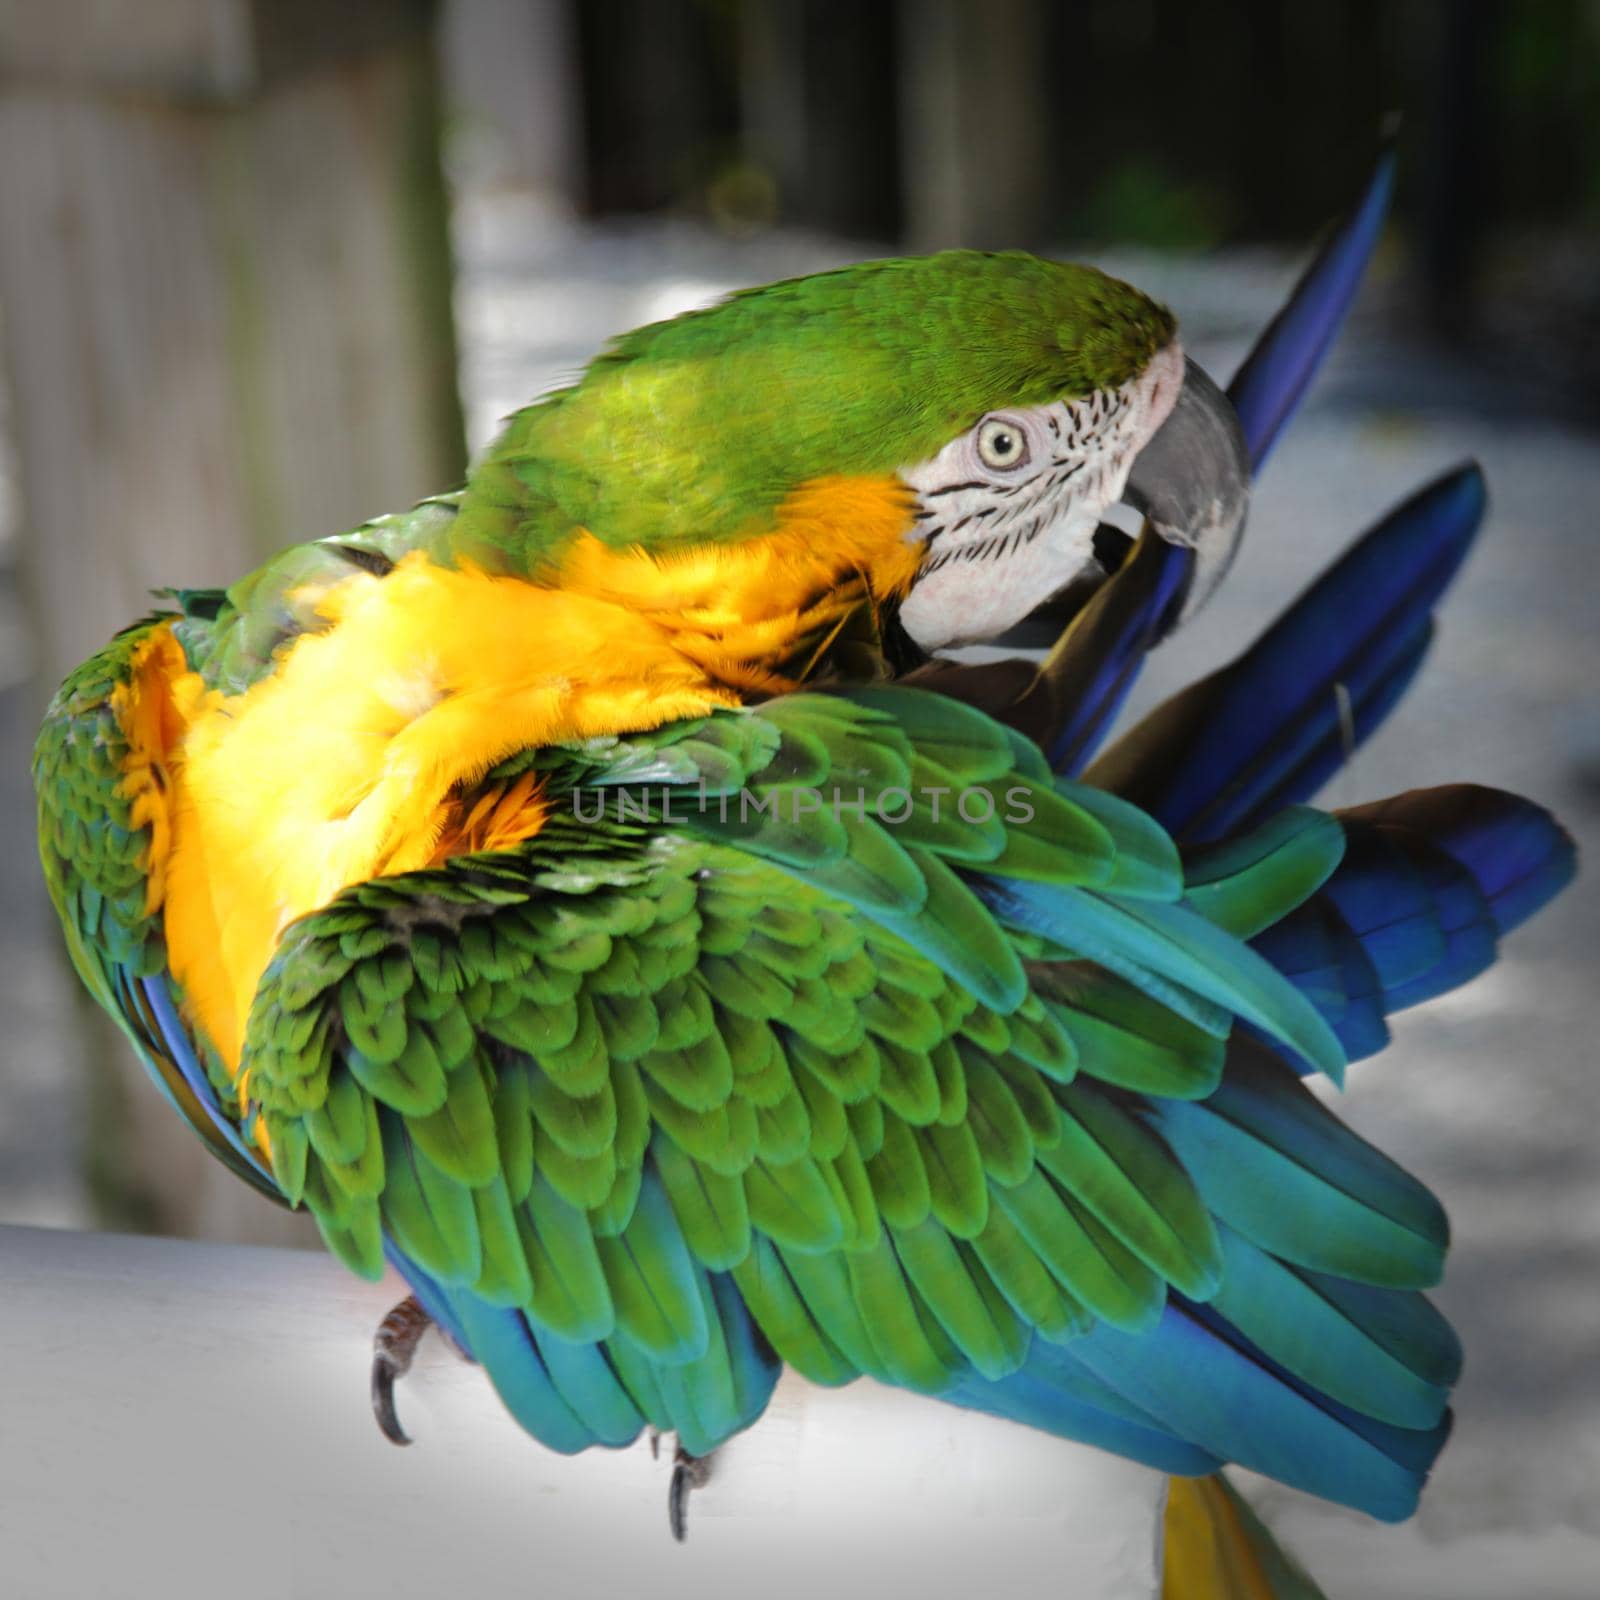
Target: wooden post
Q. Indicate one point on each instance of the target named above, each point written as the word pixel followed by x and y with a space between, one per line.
pixel 224 279
pixel 973 123
pixel 511 73
pixel 818 112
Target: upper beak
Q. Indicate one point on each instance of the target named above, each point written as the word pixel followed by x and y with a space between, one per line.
pixel 1192 482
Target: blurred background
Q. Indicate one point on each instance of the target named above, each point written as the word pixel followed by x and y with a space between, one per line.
pixel 268 267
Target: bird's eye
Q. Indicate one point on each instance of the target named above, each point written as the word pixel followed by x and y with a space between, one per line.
pixel 1001 444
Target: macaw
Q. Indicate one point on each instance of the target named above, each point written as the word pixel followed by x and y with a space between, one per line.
pixel 601 895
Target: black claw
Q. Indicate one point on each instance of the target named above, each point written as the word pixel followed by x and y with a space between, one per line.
pixel 678 1503
pixel 688 1473
pixel 393 1346
pixel 383 1376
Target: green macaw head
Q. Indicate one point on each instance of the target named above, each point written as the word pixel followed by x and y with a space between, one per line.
pixel 1008 395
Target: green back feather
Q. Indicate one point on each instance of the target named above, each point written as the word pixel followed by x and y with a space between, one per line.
pixel 695 429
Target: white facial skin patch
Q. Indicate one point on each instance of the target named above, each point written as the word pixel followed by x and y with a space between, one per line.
pixel 1008 510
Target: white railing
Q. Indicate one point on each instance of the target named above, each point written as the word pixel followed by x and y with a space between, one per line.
pixel 181 1419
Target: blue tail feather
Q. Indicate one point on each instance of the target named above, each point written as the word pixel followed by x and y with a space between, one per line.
pixel 1517 854
pixel 1109 644
pixel 1133 612
pixel 1274 377
pixel 1428 883
pixel 1265 730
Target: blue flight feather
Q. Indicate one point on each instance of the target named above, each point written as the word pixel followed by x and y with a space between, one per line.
pixel 589 1384
pixel 1387 904
pixel 1058 1394
pixel 1517 854
pixel 1376 685
pixel 1261 733
pixel 1274 377
pixel 1463 916
pixel 1220 1393
pixel 180 1051
pixel 1134 618
pixel 1314 948
pixel 1265 392
pixel 503 1341
pixel 1429 882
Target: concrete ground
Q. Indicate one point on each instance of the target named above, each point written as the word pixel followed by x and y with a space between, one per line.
pixel 1489 1095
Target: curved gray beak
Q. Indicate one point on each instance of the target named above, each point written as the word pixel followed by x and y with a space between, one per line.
pixel 1192 482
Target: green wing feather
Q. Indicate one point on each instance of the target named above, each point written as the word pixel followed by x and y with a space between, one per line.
pixel 94 854
pixel 684 1085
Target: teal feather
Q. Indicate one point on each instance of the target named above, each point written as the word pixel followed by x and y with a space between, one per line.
pixel 1337 1345
pixel 589 1385
pixel 1246 883
pixel 1147 865
pixel 655 1285
pixel 956 1288
pixel 710 1208
pixel 570 1295
pixel 786 1321
pixel 1284 1172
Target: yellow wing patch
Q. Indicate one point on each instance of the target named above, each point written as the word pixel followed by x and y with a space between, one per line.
pixel 358 756
pixel 493 817
pixel 340 766
pixel 153 723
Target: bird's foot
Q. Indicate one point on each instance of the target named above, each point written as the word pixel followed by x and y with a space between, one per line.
pixel 393 1346
pixel 688 1473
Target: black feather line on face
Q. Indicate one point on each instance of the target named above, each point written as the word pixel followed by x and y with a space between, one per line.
pixel 995 547
pixel 1018 509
